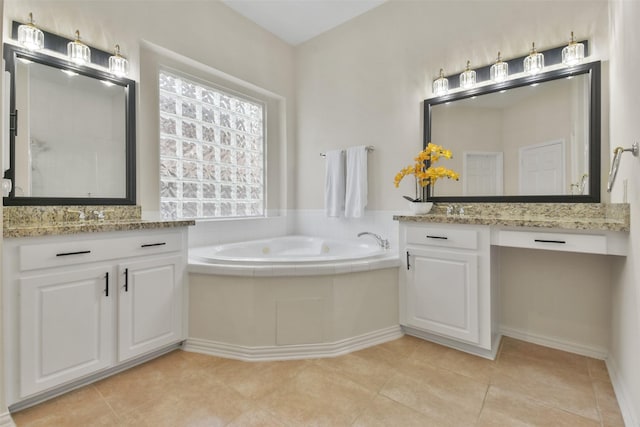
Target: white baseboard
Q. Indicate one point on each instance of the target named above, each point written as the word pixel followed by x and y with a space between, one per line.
pixel 290 352
pixel 557 343
pixel 6 420
pixel 455 344
pixel 629 412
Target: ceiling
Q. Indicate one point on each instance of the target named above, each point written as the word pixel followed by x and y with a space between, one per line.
pixel 296 21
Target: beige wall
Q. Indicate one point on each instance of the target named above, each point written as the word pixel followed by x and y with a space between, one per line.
pixel 207 33
pixel 625 129
pixel 364 82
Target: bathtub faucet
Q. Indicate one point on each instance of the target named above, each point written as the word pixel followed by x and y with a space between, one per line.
pixel 384 243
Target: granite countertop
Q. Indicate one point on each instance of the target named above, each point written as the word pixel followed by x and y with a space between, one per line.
pixel 568 216
pixel 75 227
pixel 31 221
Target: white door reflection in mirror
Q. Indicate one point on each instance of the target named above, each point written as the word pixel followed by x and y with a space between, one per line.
pixel 542 168
pixel 483 174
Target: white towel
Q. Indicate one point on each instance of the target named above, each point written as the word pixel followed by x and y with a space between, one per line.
pixel 334 183
pixel 356 194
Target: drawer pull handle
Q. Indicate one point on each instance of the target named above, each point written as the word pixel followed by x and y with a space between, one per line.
pixel 437 237
pixel 126 280
pixel 106 284
pixel 561 242
pixel 148 245
pixel 73 253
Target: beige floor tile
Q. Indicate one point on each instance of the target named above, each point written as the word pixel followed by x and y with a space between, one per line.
pixel 257 379
pixel 382 354
pixel 607 404
pixel 206 403
pixel 548 383
pixel 508 409
pixel 135 387
pixel 386 412
pixel 82 407
pixel 402 346
pixel 367 369
pixel 433 354
pixel 419 383
pixel 598 370
pixel 444 397
pixel 543 356
pixel 318 397
pixel 256 418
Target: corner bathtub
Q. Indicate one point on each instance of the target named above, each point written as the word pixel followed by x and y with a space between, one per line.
pixel 291 256
pixel 292 297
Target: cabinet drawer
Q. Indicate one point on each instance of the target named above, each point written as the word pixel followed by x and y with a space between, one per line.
pixel 586 243
pixel 443 237
pixel 70 252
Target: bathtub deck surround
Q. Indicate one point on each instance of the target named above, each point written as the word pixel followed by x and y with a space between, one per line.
pixel 30 221
pixel 87 291
pixel 292 317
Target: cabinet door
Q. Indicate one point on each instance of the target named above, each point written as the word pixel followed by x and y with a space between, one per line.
pixel 65 327
pixel 150 305
pixel 442 293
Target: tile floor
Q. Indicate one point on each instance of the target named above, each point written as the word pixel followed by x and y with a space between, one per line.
pixel 407 382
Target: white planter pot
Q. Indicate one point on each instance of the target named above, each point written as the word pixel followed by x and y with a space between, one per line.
pixel 419 208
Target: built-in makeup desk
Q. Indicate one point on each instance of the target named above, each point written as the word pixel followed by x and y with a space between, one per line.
pixel 450 261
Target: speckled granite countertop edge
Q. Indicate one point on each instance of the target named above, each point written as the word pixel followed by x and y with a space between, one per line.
pixel 565 224
pixel 34 230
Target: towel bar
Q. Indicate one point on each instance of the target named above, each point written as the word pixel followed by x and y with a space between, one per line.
pixel 369 148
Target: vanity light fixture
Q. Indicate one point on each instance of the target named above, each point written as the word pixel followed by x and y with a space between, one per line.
pixel 30 36
pixel 468 77
pixel 534 63
pixel 499 71
pixel 118 65
pixel 441 84
pixel 78 52
pixel 573 53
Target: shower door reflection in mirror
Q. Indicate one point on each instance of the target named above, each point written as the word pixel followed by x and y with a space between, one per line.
pixel 71 139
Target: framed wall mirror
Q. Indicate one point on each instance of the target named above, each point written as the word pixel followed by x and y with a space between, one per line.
pixel 530 139
pixel 72 133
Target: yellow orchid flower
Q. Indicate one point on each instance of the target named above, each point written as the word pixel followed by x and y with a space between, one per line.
pixel 427 175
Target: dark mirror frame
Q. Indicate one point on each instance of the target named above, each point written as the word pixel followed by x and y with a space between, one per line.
pixel 593 70
pixel 11 54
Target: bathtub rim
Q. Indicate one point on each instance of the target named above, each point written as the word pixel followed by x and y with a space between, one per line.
pixel 388 258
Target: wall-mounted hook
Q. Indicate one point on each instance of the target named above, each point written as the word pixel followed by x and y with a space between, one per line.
pixel 617 153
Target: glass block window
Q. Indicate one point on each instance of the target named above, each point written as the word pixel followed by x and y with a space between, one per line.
pixel 211 151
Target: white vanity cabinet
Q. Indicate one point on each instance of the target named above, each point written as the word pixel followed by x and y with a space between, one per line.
pixel 446 286
pixel 149 306
pixel 65 326
pixel 79 305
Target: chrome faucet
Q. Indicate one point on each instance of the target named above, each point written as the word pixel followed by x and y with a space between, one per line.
pixel 100 215
pixel 81 214
pixel 384 243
